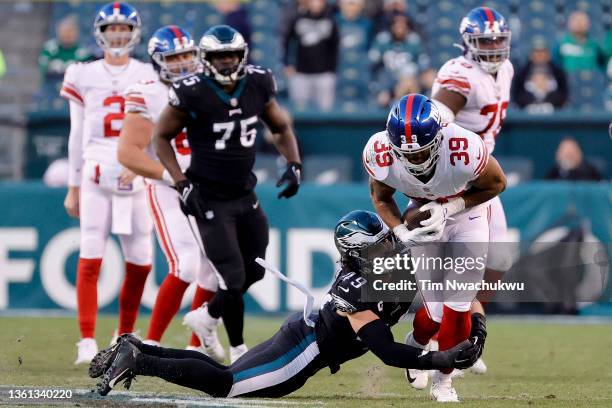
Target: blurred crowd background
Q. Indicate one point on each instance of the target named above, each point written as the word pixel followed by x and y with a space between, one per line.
pixel 339 64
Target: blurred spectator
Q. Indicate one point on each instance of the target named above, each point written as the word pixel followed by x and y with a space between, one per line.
pixel 397 59
pixel 313 77
pixel 236 16
pixel 576 51
pixel 62 51
pixel 385 13
pixel 570 165
pixel 355 28
pixel 540 86
pixel 607 49
pixel 2 65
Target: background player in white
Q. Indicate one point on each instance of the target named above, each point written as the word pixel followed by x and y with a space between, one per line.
pixel 446 167
pixel 174 56
pixel 473 90
pixel 103 195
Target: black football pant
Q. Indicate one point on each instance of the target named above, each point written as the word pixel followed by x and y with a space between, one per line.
pixel 234 233
pixel 274 368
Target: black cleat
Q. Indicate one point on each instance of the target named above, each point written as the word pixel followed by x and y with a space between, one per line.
pixel 121 369
pixel 103 360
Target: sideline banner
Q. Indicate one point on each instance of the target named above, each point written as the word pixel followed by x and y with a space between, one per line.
pixel 39 242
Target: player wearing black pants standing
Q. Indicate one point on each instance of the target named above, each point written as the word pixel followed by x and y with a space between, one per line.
pixel 220 109
pixel 345 328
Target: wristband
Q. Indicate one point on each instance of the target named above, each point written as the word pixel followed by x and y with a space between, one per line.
pixel 454 206
pixel 167 178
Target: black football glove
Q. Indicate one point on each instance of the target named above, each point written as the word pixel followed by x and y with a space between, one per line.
pixel 293 177
pixel 478 335
pixel 190 199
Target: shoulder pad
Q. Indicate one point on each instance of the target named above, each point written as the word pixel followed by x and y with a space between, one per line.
pixel 455 76
pixel 376 156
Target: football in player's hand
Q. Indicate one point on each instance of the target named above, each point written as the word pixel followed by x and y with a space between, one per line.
pixel 412 216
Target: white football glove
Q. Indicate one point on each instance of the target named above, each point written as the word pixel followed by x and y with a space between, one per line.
pixel 440 213
pixel 418 235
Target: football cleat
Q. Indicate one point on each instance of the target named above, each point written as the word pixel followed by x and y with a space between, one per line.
pixel 205 327
pixel 479 367
pixel 237 352
pixel 86 350
pixel 442 389
pixel 121 369
pixel 104 358
pixel 418 379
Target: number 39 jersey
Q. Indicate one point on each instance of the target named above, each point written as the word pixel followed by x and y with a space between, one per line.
pixel 94 86
pixel 487 96
pixel 149 98
pixel 463 156
pixel 221 129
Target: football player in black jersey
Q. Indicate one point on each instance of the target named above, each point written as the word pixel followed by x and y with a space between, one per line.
pixel 344 328
pixel 220 109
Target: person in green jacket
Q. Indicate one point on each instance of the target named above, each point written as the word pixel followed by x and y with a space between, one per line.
pixel 58 53
pixel 577 51
pixel 2 65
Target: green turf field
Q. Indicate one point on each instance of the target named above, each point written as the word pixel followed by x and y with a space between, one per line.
pixel 530 364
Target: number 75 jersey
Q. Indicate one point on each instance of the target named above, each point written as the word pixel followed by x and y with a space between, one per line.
pixel 463 157
pixel 487 96
pixel 100 92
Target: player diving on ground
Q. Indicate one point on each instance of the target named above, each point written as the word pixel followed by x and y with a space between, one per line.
pixel 344 328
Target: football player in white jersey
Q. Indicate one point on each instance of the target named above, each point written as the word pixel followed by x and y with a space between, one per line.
pixel 106 197
pixel 445 169
pixel 175 56
pixel 473 90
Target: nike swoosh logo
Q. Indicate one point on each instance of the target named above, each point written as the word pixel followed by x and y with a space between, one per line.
pixel 473 218
pixel 479 155
pixel 112 382
pixel 343 289
pixel 256 205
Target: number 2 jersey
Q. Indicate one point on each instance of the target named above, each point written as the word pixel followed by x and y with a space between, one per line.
pixel 221 129
pixel 463 156
pixel 99 88
pixel 149 98
pixel 336 339
pixel 487 96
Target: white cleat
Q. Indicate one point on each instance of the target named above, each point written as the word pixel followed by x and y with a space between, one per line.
pixel 205 327
pixel 418 379
pixel 87 349
pixel 237 352
pixel 151 343
pixel 479 367
pixel 442 389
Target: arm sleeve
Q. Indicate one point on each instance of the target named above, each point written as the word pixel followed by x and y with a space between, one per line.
pixel 378 338
pixel 75 144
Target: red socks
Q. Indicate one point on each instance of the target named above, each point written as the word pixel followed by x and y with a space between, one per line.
pixel 201 295
pixel 88 271
pixel 167 304
pixel 131 293
pixel 424 327
pixel 454 328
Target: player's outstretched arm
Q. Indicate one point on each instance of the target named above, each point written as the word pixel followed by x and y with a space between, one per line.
pixel 379 339
pixel 449 103
pixel 490 183
pixel 170 124
pixel 284 139
pixel 134 138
